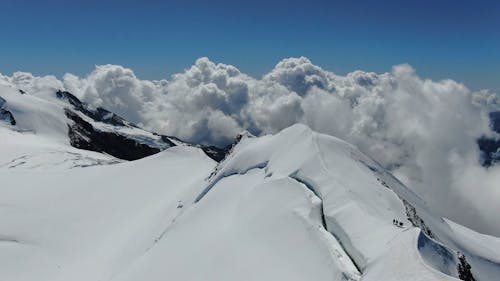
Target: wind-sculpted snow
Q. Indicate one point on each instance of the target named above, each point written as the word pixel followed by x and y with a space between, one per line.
pixel 424 131
pixel 90 223
pixel 220 176
pixel 359 202
pixel 35 114
pixel 437 256
pixel 333 212
pixel 297 152
pixel 27 151
pixel 297 205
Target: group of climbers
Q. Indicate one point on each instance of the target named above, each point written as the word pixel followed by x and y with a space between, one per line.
pixel 397 223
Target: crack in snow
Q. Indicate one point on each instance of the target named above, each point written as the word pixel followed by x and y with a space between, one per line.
pixel 226 174
pixel 351 261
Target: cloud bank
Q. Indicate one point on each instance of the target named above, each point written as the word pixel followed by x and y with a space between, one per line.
pixel 424 131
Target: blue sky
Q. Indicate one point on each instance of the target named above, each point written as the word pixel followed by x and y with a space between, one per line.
pixel 441 39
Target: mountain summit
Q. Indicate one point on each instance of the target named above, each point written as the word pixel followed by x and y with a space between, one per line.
pixel 297 205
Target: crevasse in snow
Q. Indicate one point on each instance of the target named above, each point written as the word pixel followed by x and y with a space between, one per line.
pixel 297 205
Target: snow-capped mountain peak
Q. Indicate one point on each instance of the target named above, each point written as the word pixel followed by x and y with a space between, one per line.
pixel 62 116
pixel 297 205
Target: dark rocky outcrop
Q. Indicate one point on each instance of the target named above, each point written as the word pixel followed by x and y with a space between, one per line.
pixel 415 219
pixel 495 121
pixel 97 114
pixel 490 151
pixel 490 147
pixel 464 269
pixel 216 153
pixel 83 135
pixel 6 115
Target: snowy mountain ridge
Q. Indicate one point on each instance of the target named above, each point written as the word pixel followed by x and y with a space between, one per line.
pixel 297 205
pixel 89 128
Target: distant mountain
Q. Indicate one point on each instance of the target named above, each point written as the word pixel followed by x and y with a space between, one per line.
pixel 97 129
pixel 490 147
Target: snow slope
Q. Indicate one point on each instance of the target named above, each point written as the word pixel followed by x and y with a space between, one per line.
pixel 62 117
pixel 297 205
pixel 90 223
pixel 278 203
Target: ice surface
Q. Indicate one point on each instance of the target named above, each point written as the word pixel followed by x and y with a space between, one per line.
pixel 297 205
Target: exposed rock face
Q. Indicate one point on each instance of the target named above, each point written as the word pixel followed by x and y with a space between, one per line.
pixel 490 151
pixel 490 147
pixel 6 115
pixel 98 114
pixel 464 269
pixel 495 121
pixel 84 135
pixel 216 153
pixel 415 219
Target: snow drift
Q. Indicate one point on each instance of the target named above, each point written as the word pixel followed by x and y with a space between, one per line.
pixel 297 205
